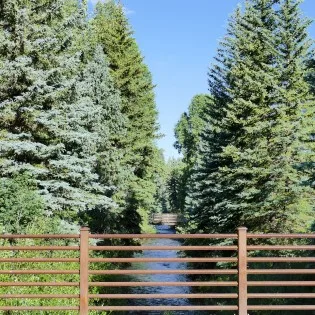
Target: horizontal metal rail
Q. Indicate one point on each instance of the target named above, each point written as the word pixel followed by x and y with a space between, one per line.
pixel 281 307
pixel 281 259
pixel 38 260
pixel 39 236
pixel 39 308
pixel 38 284
pixel 281 295
pixel 278 235
pixel 165 296
pixel 177 248
pixel 280 271
pixel 165 308
pixel 168 236
pixel 281 283
pixel 168 272
pixel 39 272
pixel 39 248
pixel 39 296
pixel 165 284
pixel 200 260
pixel 281 247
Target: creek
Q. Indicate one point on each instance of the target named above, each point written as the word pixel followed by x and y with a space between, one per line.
pixel 161 229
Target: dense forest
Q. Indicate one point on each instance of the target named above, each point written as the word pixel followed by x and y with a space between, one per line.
pixel 79 127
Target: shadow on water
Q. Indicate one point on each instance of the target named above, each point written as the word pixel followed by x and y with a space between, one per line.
pixel 161 229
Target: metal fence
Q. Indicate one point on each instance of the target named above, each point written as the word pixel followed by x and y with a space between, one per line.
pixel 239 257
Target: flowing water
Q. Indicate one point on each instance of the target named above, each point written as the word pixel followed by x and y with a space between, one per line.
pixel 161 229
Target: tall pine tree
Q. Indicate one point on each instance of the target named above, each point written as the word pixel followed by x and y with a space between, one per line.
pixel 289 201
pixel 132 78
pixel 187 134
pixel 253 143
pixel 190 126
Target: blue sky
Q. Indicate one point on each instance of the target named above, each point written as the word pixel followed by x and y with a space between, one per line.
pixel 179 39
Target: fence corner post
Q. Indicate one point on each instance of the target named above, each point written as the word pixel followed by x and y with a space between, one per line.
pixel 242 271
pixel 84 270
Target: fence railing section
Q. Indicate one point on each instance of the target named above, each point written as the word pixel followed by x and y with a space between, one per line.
pixel 239 260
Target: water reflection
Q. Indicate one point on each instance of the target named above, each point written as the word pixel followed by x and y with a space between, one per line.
pixel 161 229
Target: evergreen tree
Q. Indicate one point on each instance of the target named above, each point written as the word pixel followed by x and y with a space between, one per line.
pixel 289 200
pixel 247 172
pixel 310 78
pixel 98 99
pixel 56 111
pixel 190 126
pixel 309 166
pixel 187 133
pixel 176 186
pixel 132 78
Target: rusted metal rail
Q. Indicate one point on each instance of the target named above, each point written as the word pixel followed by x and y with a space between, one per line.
pixel 239 260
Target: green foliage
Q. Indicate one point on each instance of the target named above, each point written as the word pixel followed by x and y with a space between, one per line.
pixel 258 126
pixel 161 203
pixel 255 158
pixel 190 126
pixel 42 225
pixel 309 166
pixel 61 118
pixel 20 203
pixel 310 77
pixel 111 30
pixel 22 211
pixel 98 95
pixel 188 131
pixel 49 122
pixel 175 188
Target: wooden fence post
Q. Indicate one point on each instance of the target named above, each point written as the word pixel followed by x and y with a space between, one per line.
pixel 242 271
pixel 84 270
